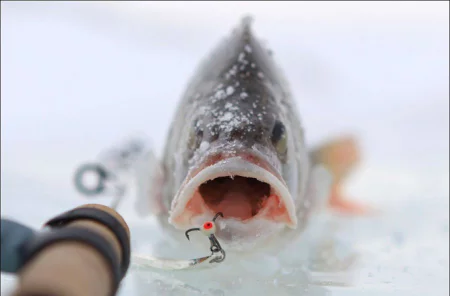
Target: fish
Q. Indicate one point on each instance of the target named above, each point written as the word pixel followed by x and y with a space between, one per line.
pixel 237 145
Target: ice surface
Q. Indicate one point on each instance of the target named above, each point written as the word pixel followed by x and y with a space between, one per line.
pixel 75 82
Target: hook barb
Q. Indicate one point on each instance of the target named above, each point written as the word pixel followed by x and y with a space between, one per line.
pixel 217 215
pixel 189 230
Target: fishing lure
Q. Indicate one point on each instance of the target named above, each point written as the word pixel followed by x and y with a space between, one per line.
pixel 217 252
pixel 209 229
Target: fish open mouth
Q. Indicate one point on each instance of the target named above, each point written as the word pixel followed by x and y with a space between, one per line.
pixel 242 189
pixel 236 197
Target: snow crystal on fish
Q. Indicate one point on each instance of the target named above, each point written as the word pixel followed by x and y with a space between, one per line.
pixel 230 107
pixel 243 95
pixel 220 94
pixel 226 117
pixel 230 90
pixel 231 72
pixel 242 60
pixel 204 146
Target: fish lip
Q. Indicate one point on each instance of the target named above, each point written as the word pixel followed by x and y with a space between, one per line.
pixel 215 167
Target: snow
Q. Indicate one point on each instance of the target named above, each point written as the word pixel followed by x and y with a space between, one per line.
pixel 204 146
pixel 226 117
pixel 220 94
pixel 78 77
pixel 230 90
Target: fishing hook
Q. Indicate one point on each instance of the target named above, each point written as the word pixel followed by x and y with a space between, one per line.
pixel 189 230
pixel 209 229
pixel 217 215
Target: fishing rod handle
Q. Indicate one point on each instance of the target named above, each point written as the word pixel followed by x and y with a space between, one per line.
pixel 82 252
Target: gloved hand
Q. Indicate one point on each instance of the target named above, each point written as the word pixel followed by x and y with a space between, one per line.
pixel 82 252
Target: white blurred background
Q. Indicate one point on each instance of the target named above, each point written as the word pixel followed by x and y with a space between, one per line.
pixel 76 77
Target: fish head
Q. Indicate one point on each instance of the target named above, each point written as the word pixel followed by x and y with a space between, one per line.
pixel 240 161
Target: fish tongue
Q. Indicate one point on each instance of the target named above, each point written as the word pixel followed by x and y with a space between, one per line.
pixel 236 204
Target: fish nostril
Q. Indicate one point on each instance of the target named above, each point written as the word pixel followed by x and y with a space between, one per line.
pixel 236 134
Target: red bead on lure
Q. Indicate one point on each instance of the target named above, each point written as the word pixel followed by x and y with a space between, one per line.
pixel 208 228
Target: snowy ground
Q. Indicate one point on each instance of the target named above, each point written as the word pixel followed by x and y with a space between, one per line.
pixel 77 78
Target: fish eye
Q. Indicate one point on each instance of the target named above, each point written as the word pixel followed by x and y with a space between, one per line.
pixel 279 138
pixel 195 136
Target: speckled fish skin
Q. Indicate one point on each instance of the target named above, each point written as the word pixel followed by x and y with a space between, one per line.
pixel 231 105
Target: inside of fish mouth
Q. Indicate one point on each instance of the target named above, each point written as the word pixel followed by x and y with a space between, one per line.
pixel 237 196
